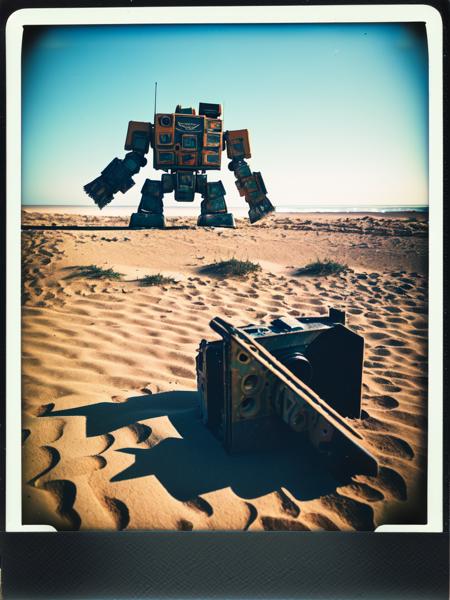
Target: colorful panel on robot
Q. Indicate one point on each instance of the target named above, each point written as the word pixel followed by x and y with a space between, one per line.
pixel 185 140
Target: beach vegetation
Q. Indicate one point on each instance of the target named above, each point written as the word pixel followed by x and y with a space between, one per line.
pixel 231 268
pixel 93 272
pixel 157 279
pixel 322 268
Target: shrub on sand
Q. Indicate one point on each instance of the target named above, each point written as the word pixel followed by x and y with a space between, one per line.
pixel 322 268
pixel 231 268
pixel 157 279
pixel 94 272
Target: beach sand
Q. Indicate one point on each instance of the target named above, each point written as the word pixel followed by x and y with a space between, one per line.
pixel 111 432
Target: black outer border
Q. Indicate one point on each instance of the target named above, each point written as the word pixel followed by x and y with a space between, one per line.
pixel 218 564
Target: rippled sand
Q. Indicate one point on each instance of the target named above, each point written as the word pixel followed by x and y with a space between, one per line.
pixel 111 433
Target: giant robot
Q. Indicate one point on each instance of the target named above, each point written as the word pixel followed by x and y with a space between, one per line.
pixel 186 146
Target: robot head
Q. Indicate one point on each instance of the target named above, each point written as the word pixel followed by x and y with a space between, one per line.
pixel 213 111
pixel 184 111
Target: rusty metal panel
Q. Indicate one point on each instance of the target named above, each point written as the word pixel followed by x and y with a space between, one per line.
pixel 238 144
pixel 193 124
pixel 138 136
pixel 165 157
pixel 189 142
pixel 213 124
pixel 211 158
pixel 164 140
pixel 212 139
pixel 265 395
pixel 240 188
pixel 187 159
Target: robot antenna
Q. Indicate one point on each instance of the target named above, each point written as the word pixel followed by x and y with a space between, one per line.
pixel 156 88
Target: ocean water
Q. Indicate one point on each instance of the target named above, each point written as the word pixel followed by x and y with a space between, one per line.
pixel 193 209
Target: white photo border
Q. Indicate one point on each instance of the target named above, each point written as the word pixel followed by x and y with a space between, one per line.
pixel 376 13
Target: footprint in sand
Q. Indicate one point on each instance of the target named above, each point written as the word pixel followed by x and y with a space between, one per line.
pixel 44 409
pixel 119 511
pixel 277 524
pixel 371 364
pixel 42 460
pixel 141 431
pixel 184 525
pixel 384 402
pixel 287 505
pixel 65 493
pixel 389 482
pixel 381 351
pixel 199 504
pixel 318 521
pixel 391 445
pixel 362 491
pixel 252 515
pixel 355 514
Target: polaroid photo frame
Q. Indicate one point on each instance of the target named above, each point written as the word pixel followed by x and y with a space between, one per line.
pixel 284 551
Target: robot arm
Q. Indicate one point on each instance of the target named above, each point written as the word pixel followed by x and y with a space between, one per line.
pixel 250 185
pixel 117 175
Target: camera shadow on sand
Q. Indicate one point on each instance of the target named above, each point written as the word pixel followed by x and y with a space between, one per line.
pixel 197 463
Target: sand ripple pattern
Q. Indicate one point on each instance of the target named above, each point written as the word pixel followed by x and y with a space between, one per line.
pixel 111 432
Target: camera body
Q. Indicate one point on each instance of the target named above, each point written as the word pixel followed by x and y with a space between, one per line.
pixel 299 377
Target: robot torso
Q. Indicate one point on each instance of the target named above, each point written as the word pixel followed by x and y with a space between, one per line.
pixel 187 141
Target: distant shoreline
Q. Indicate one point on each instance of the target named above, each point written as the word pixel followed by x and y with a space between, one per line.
pixel 238 211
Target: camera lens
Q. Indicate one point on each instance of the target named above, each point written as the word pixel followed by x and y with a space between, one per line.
pixel 300 366
pixel 297 363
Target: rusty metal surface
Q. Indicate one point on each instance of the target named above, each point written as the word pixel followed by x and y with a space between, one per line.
pixel 189 141
pixel 258 396
pixel 140 126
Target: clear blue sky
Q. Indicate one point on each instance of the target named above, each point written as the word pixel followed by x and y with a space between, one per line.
pixel 337 114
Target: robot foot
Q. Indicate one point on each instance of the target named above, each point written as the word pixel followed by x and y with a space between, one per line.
pixel 147 220
pixel 216 220
pixel 260 210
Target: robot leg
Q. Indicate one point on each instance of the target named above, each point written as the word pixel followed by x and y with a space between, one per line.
pixel 213 207
pixel 150 211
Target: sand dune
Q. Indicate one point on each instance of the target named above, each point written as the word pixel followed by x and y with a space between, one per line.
pixel 111 433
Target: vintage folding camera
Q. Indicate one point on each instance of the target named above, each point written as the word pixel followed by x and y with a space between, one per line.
pixel 292 379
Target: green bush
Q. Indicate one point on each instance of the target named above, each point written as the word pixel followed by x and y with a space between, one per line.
pixel 231 268
pixel 93 272
pixel 322 268
pixel 157 279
